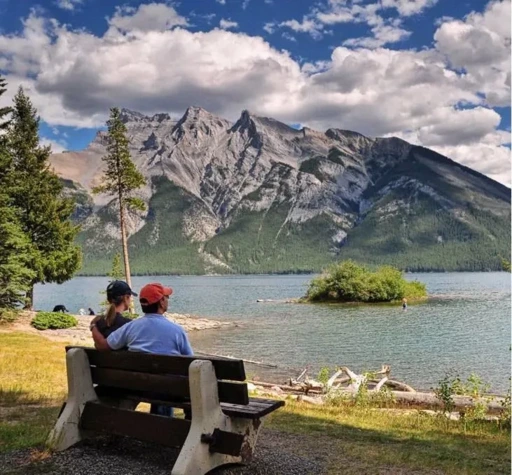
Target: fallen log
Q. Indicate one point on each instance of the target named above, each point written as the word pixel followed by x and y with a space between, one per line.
pixel 284 387
pixel 400 398
pixel 430 400
pixel 397 385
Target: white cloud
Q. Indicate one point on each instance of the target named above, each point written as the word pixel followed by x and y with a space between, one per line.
pixel 408 7
pixel 148 17
pixel 289 37
pixel 227 24
pixel 58 146
pixel 222 2
pixel 481 46
pixel 487 159
pixel 307 25
pixel 382 35
pixel 68 4
pixel 73 77
pixel 341 11
pixel 269 27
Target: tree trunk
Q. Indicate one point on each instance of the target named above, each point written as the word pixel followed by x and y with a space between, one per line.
pixel 29 298
pixel 125 245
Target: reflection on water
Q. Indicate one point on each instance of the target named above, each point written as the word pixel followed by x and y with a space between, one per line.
pixel 464 327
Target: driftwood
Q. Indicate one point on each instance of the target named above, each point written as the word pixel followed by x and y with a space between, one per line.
pixel 349 386
pixel 355 381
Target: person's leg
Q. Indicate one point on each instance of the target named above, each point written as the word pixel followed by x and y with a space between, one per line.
pixel 160 410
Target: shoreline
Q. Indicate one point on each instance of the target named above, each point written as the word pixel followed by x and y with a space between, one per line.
pixel 81 333
pixel 294 273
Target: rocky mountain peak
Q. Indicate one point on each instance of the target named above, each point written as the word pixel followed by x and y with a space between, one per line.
pixel 161 117
pixel 245 124
pixel 128 115
pixel 194 114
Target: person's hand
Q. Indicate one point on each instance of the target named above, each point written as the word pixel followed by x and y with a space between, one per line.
pixel 94 321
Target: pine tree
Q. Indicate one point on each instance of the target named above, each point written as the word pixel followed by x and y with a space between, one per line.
pixel 116 273
pixel 44 214
pixel 121 178
pixel 15 257
pixel 4 111
pixel 15 276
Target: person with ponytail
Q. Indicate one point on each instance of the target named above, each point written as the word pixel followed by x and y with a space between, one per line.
pixel 119 296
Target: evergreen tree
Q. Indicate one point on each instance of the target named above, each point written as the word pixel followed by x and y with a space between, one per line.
pixel 121 178
pixel 15 258
pixel 116 273
pixel 36 193
pixel 15 276
pixel 4 111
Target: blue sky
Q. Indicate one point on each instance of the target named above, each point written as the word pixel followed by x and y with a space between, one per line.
pixel 434 72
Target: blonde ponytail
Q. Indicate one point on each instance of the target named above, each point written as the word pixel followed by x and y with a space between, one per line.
pixel 110 315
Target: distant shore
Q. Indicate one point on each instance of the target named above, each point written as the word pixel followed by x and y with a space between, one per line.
pixel 81 333
pixel 431 271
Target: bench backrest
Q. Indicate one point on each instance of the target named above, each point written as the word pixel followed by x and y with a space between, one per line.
pixel 161 377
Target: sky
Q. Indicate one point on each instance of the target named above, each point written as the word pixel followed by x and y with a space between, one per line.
pixel 433 72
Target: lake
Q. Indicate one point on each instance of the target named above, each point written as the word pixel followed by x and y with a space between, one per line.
pixel 463 328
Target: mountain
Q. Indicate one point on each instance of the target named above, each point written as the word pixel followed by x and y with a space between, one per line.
pixel 259 196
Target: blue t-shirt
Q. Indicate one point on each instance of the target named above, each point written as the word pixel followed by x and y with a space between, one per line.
pixel 152 333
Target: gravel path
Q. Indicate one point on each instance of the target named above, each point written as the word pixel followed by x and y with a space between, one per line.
pixel 277 453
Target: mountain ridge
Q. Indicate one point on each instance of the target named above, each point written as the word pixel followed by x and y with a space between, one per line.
pixel 258 195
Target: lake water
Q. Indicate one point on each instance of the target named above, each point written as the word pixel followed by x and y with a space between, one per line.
pixel 464 327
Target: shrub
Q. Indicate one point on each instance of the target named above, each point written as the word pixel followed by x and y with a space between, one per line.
pixel 8 315
pixel 131 316
pixel 53 321
pixel 350 282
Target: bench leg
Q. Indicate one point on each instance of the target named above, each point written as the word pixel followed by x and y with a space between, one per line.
pixel 195 457
pixel 80 390
pixel 249 428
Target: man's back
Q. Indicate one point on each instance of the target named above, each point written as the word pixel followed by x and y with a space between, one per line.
pixel 152 333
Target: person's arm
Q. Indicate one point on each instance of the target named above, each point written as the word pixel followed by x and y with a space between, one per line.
pixel 100 342
pixel 119 338
pixel 186 348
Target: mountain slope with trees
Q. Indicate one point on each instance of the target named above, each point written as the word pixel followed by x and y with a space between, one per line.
pixel 257 196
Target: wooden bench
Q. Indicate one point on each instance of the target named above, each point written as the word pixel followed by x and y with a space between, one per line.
pixel 104 389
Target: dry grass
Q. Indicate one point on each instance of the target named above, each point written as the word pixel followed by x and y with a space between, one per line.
pixel 32 370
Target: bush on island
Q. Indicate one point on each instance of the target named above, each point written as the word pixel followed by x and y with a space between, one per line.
pixel 53 321
pixel 351 282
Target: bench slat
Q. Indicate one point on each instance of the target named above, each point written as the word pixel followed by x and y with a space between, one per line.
pixel 166 386
pixel 255 409
pixel 139 425
pixel 161 364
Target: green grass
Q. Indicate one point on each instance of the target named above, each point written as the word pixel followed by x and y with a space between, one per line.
pixel 373 440
pixel 356 439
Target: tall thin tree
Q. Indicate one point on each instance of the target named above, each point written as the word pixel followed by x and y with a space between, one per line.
pixel 121 179
pixel 36 193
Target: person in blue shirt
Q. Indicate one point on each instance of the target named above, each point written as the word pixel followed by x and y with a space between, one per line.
pixel 151 333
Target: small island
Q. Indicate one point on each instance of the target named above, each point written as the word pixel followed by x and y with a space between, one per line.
pixel 349 282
